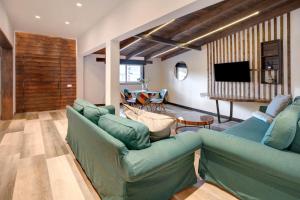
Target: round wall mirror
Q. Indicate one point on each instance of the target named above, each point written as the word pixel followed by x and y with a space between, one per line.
pixel 181 71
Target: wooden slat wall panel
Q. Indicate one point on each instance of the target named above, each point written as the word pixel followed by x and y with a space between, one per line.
pixel 45 66
pixel 245 45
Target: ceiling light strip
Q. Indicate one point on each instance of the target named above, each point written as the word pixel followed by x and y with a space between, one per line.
pixel 164 52
pixel 132 43
pixel 160 27
pixel 207 34
pixel 155 30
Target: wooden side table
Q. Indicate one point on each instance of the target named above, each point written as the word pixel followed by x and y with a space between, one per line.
pixel 183 121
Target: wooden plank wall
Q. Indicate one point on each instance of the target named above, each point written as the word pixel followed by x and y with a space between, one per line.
pixel 6 72
pixel 45 66
pixel 245 45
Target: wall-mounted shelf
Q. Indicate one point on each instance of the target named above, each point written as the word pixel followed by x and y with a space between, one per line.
pixel 271 62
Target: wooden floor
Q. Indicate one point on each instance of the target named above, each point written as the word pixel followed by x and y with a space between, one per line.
pixel 36 163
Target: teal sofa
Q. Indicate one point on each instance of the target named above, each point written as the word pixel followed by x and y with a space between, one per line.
pixel 156 172
pixel 238 162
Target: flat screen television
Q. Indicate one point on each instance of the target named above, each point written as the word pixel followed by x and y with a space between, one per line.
pixel 232 72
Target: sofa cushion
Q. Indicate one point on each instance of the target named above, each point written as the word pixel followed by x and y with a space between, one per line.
pixel 283 129
pixel 278 104
pixel 159 125
pixel 93 113
pixel 251 129
pixel 295 146
pixel 134 135
pixel 79 105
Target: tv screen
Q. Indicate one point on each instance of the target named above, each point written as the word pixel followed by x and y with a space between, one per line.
pixel 232 72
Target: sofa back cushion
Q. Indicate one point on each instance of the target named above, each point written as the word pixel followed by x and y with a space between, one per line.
pixel 283 129
pixel 133 134
pixel 93 113
pixel 79 105
pixel 295 146
pixel 278 104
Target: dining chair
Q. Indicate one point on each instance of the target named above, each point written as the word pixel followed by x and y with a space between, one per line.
pixel 131 101
pixel 158 103
pixel 127 94
pixel 143 100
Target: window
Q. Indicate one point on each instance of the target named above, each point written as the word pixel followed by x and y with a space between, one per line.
pixel 131 73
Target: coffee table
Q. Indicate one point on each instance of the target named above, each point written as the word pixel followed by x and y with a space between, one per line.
pixel 184 120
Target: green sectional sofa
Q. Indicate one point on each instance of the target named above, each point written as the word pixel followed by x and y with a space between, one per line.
pixel 156 172
pixel 237 161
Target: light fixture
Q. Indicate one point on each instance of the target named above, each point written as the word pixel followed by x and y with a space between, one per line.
pixel 153 31
pixel 37 17
pixel 132 43
pixel 207 34
pixel 79 4
pixel 67 22
pixel 160 27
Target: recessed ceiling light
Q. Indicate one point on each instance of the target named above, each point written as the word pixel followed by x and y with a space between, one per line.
pixel 38 17
pixel 79 4
pixel 67 22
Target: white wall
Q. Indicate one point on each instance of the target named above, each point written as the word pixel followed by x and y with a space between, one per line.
pixel 187 92
pixel 94 79
pixel 5 24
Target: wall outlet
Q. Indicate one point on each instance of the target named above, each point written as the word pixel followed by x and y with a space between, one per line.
pixel 69 85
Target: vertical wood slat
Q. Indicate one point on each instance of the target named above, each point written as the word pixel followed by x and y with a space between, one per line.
pixel 208 69
pixel 227 60
pixel 235 59
pixel 239 59
pixel 289 52
pixel 253 59
pixel 269 39
pixel 217 61
pixel 281 37
pixel 258 59
pixel 263 40
pixel 230 42
pixel 223 60
pixel 275 38
pixel 213 62
pixel 244 58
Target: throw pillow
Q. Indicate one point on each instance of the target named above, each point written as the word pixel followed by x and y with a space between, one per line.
pixel 79 105
pixel 278 104
pixel 133 134
pixel 159 125
pixel 283 129
pixel 263 117
pixel 93 113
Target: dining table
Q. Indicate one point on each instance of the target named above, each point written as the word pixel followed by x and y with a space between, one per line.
pixel 149 92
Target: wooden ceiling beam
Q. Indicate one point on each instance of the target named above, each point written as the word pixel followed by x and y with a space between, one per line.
pixel 125 61
pixel 167 42
pixel 223 9
pixel 4 42
pixel 262 6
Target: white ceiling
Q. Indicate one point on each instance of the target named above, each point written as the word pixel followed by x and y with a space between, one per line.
pixel 54 13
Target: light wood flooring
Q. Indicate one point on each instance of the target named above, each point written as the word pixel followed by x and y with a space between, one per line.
pixel 36 163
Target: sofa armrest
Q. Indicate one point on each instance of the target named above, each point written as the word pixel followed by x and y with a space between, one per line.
pixel 111 109
pixel 283 164
pixel 263 109
pixel 141 163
